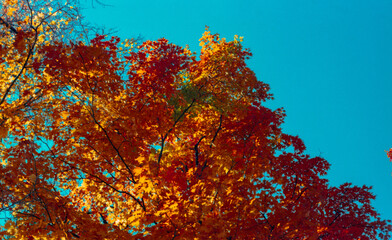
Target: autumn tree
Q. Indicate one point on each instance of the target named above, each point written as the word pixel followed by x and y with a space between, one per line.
pixel 108 139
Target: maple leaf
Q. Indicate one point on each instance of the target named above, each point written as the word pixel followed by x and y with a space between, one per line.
pixel 105 139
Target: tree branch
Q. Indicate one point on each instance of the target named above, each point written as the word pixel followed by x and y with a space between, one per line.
pixel 12 29
pixel 196 148
pixel 171 129
pixel 23 67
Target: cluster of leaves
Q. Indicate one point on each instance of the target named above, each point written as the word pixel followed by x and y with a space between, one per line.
pixel 104 139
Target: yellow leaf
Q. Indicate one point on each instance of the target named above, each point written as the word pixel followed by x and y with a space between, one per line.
pixel 137 170
pixel 64 115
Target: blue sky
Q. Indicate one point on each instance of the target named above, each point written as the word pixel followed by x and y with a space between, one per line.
pixel 328 62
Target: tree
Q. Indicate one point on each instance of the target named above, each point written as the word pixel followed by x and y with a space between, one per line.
pixel 105 139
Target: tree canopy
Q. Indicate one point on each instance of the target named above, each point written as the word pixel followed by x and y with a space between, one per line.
pixel 110 139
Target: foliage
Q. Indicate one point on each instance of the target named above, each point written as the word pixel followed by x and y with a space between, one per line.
pixel 104 139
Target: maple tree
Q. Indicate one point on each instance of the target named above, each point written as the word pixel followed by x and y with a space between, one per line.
pixel 109 139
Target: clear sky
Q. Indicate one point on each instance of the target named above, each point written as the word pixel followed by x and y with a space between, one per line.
pixel 328 62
